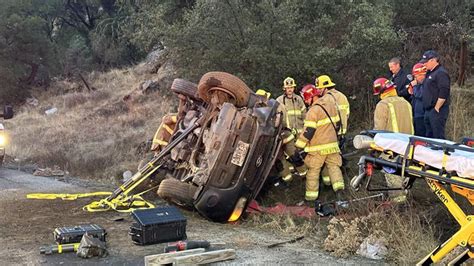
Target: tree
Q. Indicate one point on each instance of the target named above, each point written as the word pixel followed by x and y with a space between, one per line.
pixel 265 41
pixel 25 42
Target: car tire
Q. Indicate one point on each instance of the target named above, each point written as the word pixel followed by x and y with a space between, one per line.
pixel 175 191
pixel 185 88
pixel 226 82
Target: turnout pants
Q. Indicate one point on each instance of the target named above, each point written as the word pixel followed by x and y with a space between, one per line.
pixel 315 162
pixel 288 150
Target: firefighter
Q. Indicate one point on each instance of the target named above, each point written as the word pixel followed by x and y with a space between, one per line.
pixel 167 126
pixel 392 113
pixel 164 132
pixel 264 93
pixel 293 108
pixel 319 141
pixel 343 111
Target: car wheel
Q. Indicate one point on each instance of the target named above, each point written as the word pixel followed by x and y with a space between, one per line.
pixel 225 82
pixel 175 191
pixel 185 88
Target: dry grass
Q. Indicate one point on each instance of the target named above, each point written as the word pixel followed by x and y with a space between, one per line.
pixel 289 226
pixel 460 122
pixel 93 134
pixel 408 236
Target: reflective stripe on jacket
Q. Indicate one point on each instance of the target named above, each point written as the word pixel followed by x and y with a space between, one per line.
pixel 394 114
pixel 324 141
pixel 293 110
pixel 164 132
pixel 342 105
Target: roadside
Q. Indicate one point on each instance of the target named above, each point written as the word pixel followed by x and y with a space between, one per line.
pixel 28 224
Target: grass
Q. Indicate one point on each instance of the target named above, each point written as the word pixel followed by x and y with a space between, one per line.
pixel 460 122
pixel 93 134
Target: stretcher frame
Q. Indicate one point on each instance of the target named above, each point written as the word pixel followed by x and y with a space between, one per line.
pixel 438 180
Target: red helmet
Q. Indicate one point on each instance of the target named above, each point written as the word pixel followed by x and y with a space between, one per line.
pixel 418 69
pixel 381 85
pixel 309 91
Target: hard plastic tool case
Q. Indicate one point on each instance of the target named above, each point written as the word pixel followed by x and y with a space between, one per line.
pixel 73 234
pixel 158 225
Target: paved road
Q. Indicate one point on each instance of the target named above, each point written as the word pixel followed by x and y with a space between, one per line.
pixel 25 225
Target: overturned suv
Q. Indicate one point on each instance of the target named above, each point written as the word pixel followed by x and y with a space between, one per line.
pixel 222 148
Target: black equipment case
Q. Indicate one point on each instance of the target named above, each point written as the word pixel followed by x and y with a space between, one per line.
pixel 73 234
pixel 158 225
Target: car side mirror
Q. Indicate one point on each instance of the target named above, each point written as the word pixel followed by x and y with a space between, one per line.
pixel 7 112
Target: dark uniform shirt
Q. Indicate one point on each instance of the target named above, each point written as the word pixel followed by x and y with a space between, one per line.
pixel 401 81
pixel 436 85
pixel 417 101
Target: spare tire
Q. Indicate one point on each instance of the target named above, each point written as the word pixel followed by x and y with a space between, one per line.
pixel 186 88
pixel 175 191
pixel 227 83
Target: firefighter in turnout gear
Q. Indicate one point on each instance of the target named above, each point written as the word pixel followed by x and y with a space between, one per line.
pixel 343 111
pixel 164 132
pixel 319 141
pixel 392 113
pixel 167 126
pixel 293 108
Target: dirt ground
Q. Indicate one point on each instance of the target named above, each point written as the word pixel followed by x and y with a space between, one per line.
pixel 26 225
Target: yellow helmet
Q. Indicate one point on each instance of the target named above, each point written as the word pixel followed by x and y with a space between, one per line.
pixel 323 81
pixel 289 83
pixel 264 93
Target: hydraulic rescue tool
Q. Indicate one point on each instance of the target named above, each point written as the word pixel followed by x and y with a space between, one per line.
pixel 126 197
pixel 185 245
pixel 59 248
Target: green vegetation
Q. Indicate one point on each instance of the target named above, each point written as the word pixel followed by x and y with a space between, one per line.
pixel 260 41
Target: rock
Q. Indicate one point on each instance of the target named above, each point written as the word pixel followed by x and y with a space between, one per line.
pixel 373 248
pixel 155 56
pixel 51 111
pixel 153 62
pixel 149 86
pixel 49 172
pixel 127 175
pixel 32 101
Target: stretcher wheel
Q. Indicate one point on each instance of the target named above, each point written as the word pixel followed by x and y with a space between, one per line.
pixel 238 91
pixel 175 191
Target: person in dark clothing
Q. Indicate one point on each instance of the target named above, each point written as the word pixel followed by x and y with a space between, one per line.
pixel 399 77
pixel 435 95
pixel 416 90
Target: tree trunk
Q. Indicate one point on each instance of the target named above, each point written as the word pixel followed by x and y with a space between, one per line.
pixel 33 73
pixel 463 53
